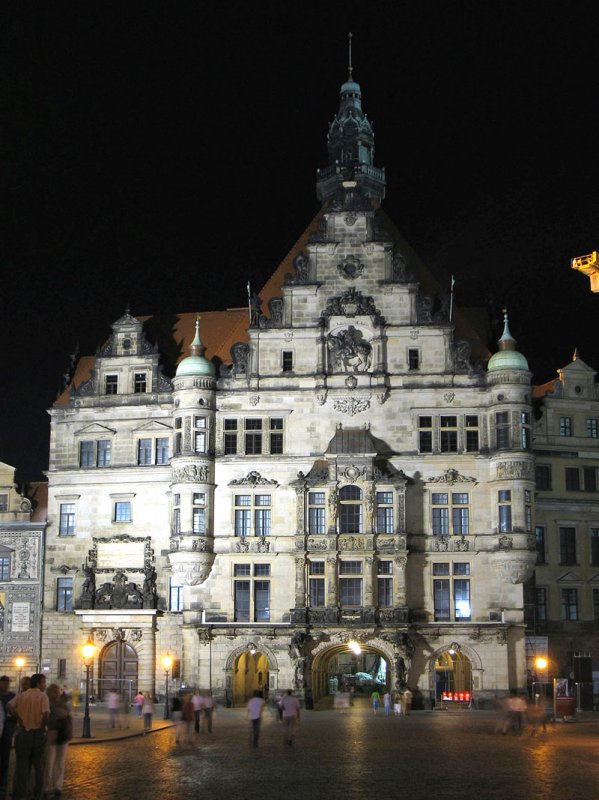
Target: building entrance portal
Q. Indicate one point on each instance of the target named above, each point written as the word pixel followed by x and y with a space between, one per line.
pixel 453 673
pixel 250 674
pixel 118 670
pixel 350 668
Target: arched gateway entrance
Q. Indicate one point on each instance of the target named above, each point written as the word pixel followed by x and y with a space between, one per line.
pixel 118 669
pixel 453 673
pixel 250 673
pixel 350 667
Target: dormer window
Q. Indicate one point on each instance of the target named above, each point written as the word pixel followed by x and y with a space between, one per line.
pixel 140 383
pixel 111 384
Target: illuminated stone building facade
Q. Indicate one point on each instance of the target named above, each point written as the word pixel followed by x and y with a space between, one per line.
pixel 564 600
pixel 21 571
pixel 333 482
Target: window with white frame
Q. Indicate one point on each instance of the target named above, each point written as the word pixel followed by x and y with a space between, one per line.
pixel 425 434
pixel 350 583
pixel 276 436
pixel 565 426
pixel 351 513
pixel 450 513
pixel 502 430
pixel 384 512
pixel 66 526
pixel 152 451
pixel 251 592
pixel 253 514
pixel 176 596
pixel 504 510
pixel 111 384
pixel 230 437
pixel 200 435
pixel 253 436
pixel 199 513
pixel 176 514
pixel 140 382
pixel 316 585
pixel 64 594
pixel 122 511
pixel 94 453
pixel 592 428
pixel 451 591
pixel 448 441
pixel 525 430
pixel 569 604
pixel 316 512
pixel 471 427
pixel 4 565
pixel 385 583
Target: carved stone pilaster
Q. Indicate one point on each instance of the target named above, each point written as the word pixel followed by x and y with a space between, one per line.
pixel 331 575
pixel 401 509
pixel 300 510
pixel 300 582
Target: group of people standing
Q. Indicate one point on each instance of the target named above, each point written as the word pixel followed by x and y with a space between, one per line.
pixel 40 722
pixel 288 711
pixel 401 702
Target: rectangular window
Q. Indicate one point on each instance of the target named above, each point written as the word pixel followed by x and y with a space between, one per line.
pixel 111 384
pixel 104 453
pixel 540 543
pixel 176 596
pixel 316 513
pixel 350 567
pixel 525 434
pixel 461 600
pixel 595 547
pixel 199 441
pixel 460 514
pixel 441 600
pixel 67 519
pixel 316 592
pixel 276 436
pixel 350 592
pixel 541 604
pixel 162 450
pixel 230 437
pixel 440 502
pixel 543 477
pixel 413 358
pixel 62 668
pixel 572 479
pixel 316 567
pixel 3 502
pixel 425 434
pixel 262 515
pixel 64 594
pixel 570 604
pixel 261 601
pixel 242 601
pixel 199 520
pixel 122 511
pixel 502 430
pixel 384 512
pixel 385 568
pixel 590 479
pixel 592 429
pixel 449 434
pixel 567 546
pixel 144 452
pixel 87 457
pixel 241 570
pixel 139 383
pixel 505 510
pixel 565 426
pixel 253 437
pixel 287 361
pixel 528 510
pixel 4 568
pixel 243 514
pixel 385 592
pixel 261 570
pixel 176 520
pixel 472 433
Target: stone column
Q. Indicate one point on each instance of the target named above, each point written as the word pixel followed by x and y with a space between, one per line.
pixel 369 496
pixel 300 582
pixel 300 499
pixel 367 600
pixel 399 582
pixel 401 509
pixel 331 576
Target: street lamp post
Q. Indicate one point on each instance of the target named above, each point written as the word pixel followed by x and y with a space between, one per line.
pixel 167 663
pixel 19 663
pixel 88 650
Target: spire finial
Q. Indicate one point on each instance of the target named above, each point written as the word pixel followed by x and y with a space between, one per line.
pixel 350 68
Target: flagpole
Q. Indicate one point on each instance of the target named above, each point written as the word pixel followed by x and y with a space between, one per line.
pixel 249 303
pixel 451 298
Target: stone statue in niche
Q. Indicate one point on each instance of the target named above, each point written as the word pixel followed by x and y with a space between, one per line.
pixel 88 590
pixel 350 352
pixel 149 587
pixel 119 590
pixel 275 306
pixel 425 310
pixel 301 270
pixel 240 354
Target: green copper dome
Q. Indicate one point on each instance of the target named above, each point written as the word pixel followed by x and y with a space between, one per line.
pixel 196 363
pixel 507 357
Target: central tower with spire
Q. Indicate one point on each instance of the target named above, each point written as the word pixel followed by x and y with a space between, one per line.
pixel 351 148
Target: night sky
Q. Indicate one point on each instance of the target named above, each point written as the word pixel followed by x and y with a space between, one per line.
pixel 161 154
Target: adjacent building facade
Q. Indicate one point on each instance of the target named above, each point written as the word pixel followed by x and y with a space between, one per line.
pixel 342 493
pixel 564 599
pixel 21 576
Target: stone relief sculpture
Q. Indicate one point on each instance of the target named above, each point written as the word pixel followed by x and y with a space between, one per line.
pixel 191 473
pixel 351 303
pixel 350 268
pixel 425 310
pixel 463 350
pixel 452 476
pixel 121 593
pixel 301 270
pixel 253 478
pixel 240 354
pixel 349 351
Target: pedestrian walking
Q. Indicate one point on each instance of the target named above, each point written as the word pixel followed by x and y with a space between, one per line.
pixel 113 703
pixel 255 708
pixel 8 730
pixel 407 701
pixel 31 709
pixel 198 706
pixel 188 718
pixel 139 701
pixel 208 702
pixel 60 731
pixel 177 716
pixel 375 699
pixel 291 715
pixel 396 697
pixel 147 710
pixel 387 703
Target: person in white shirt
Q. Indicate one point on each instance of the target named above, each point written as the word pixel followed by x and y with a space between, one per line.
pixel 291 714
pixel 255 708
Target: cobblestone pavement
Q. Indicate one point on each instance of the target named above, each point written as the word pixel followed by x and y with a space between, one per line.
pixel 428 756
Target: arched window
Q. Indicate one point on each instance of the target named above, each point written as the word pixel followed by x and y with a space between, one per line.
pixel 350 510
